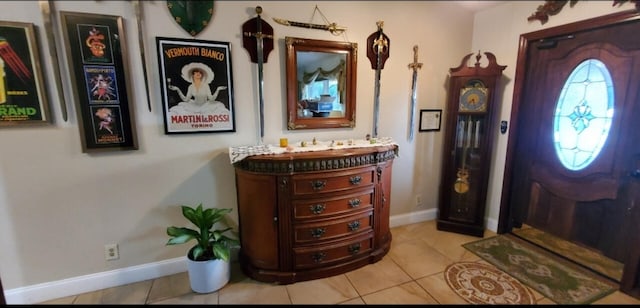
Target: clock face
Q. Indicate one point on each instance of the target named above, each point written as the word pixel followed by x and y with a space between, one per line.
pixel 473 99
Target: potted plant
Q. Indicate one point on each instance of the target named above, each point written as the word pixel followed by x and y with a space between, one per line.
pixel 208 260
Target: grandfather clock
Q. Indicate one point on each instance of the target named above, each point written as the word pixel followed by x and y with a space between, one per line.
pixel 470 127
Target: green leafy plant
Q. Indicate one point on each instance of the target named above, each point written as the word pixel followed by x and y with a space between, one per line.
pixel 211 244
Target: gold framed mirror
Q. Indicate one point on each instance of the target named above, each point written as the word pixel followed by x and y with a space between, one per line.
pixel 321 83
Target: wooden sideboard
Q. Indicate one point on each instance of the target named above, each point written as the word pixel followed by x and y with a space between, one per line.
pixel 309 215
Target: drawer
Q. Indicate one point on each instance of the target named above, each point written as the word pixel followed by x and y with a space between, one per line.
pixel 321 255
pixel 323 207
pixel 308 184
pixel 331 229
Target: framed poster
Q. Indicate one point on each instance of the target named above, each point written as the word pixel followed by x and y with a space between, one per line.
pixel 96 48
pixel 197 87
pixel 22 94
pixel 430 119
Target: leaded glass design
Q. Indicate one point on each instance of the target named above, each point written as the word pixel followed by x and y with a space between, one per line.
pixel 583 115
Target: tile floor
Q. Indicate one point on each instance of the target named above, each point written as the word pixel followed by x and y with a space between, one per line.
pixel 411 273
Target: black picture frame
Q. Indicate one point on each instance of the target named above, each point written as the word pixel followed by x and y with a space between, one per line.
pixel 96 53
pixel 23 98
pixel 430 120
pixel 208 109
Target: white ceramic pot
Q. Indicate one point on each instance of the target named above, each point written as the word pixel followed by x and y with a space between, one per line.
pixel 208 276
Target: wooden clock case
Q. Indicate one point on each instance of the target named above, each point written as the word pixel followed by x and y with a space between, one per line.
pixel 468 141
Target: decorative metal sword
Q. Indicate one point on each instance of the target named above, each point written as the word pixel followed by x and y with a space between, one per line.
pixel 378 52
pixel 46 6
pixel 138 11
pixel 414 82
pixel 332 27
pixel 258 41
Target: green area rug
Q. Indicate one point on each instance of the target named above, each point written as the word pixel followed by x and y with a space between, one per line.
pixel 583 256
pixel 559 280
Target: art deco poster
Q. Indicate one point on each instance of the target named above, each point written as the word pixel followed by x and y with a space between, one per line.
pixel 22 96
pixel 197 88
pixel 97 58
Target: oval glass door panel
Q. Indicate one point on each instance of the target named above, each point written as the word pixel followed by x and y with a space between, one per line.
pixel 583 115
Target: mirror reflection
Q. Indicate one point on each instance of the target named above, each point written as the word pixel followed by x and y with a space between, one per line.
pixel 321 81
pixel 321 78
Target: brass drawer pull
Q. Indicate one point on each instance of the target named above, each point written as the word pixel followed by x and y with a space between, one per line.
pixel 317 185
pixel 353 226
pixel 317 232
pixel 318 257
pixel 354 180
pixel 354 249
pixel 317 208
pixel 354 202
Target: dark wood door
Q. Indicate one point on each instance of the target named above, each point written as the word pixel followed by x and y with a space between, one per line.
pixel 590 204
pixel 2 299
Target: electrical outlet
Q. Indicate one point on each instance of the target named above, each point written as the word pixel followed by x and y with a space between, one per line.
pixel 111 252
pixel 418 200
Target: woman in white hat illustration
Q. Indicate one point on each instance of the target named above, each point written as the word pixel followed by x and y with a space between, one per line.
pixel 199 98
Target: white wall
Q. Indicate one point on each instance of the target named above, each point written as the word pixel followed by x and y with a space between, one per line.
pixel 58 206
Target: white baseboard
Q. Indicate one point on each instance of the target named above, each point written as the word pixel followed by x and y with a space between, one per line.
pixel 412 218
pixel 88 283
pixel 72 286
pixel 491 224
pixel 431 214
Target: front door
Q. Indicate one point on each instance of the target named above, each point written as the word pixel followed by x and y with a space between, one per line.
pixel 573 156
pixel 2 300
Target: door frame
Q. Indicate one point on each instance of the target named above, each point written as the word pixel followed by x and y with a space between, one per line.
pixel 505 224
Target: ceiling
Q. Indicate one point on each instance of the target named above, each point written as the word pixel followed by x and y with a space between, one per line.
pixel 476 6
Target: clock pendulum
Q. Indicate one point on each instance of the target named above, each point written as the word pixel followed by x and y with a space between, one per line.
pixel 467 130
pixel 461 185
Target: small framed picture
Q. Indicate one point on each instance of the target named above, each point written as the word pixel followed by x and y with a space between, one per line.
pixel 23 100
pixel 430 120
pixel 197 85
pixel 98 66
